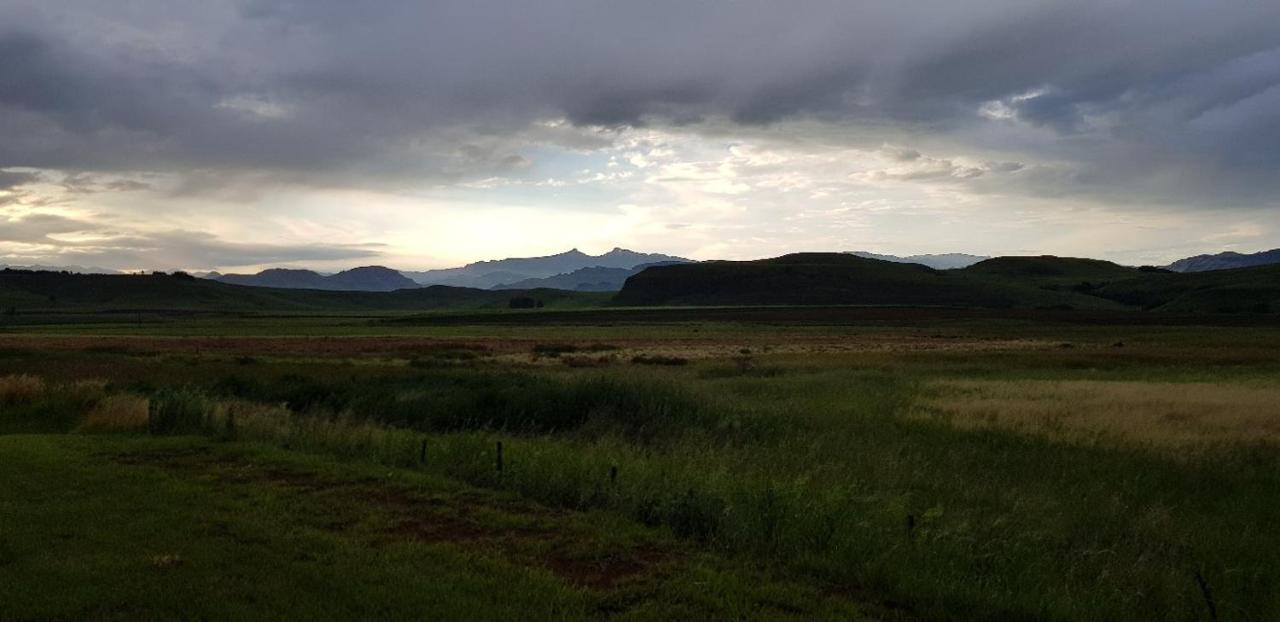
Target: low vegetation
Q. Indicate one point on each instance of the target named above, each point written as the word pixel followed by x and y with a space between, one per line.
pixel 1176 415
pixel 969 469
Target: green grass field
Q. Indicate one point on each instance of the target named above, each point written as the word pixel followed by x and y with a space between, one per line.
pixel 945 467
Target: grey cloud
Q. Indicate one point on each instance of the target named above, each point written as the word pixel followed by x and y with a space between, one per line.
pixel 12 179
pixel 1183 90
pixel 914 166
pixel 196 249
pixel 160 249
pixel 35 228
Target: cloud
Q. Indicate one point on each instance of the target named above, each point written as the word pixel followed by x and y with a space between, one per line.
pixel 12 179
pixel 54 238
pixel 332 89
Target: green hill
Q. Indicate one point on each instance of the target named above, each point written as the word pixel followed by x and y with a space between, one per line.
pixel 1001 282
pixel 837 278
pixel 1242 290
pixel 1050 270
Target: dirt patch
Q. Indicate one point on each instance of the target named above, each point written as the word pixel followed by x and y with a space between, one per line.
pixel 606 573
pixel 436 529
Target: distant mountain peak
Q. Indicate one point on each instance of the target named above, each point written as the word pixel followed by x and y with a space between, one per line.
pixel 945 261
pixel 1225 261
pixel 363 278
pixel 493 272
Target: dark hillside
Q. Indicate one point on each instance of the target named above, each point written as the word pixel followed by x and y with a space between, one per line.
pixel 1048 269
pixel 1243 290
pixel 831 279
pixel 42 291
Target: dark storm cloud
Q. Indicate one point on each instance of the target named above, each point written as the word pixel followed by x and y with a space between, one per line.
pixel 1177 95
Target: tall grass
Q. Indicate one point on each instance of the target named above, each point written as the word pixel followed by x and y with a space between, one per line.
pixel 1178 416
pixel 20 389
pixel 117 413
pixel 451 399
pixel 30 404
pixel 812 469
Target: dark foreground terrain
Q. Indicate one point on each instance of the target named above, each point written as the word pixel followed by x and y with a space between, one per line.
pixel 765 463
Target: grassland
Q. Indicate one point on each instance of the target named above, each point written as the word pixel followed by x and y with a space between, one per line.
pixel 944 465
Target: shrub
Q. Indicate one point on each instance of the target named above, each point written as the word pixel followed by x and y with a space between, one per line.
pixel 118 413
pixel 20 389
pixel 179 411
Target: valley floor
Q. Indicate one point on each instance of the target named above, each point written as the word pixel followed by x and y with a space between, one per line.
pixel 915 468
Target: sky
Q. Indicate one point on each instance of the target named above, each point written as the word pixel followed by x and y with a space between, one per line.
pixel 242 134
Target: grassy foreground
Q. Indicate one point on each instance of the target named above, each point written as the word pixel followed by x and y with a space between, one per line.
pixel 957 470
pixel 128 528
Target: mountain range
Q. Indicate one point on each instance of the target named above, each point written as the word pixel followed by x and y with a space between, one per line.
pixel 577 271
pixel 571 270
pixel 367 279
pixel 1045 282
pixel 595 279
pixel 504 272
pixel 947 261
pixel 1225 261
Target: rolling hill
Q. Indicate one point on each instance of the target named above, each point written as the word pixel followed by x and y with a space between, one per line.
pixel 837 278
pixel 29 291
pixel 366 279
pixel 1002 282
pixel 1242 290
pixel 1048 269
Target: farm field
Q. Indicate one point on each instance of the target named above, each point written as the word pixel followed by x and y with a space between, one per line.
pixel 767 463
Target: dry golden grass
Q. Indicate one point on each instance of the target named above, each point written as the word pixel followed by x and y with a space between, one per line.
pixel 20 389
pixel 1161 414
pixel 117 413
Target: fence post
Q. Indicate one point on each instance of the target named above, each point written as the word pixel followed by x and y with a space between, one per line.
pixel 499 456
pixel 422 452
